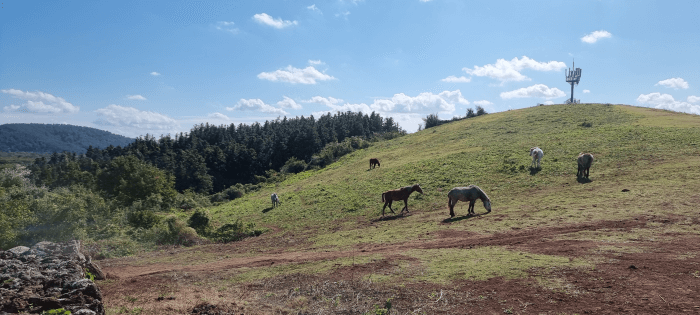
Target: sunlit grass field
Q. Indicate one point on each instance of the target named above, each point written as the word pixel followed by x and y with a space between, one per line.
pixel 652 154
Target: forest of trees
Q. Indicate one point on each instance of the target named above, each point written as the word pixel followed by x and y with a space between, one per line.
pixel 212 158
pixel 47 138
pixel 432 120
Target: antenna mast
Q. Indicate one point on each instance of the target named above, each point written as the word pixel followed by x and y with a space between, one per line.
pixel 573 77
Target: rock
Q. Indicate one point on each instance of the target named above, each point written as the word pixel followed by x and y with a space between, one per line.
pixel 48 276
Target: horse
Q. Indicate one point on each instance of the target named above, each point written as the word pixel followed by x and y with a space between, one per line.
pixel 585 160
pixel 373 162
pixel 469 193
pixel 536 154
pixel 399 194
pixel 275 200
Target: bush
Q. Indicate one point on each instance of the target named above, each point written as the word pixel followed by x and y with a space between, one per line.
pixel 293 165
pixel 179 234
pixel 190 200
pixel 145 219
pixel 235 232
pixel 199 221
pixel 431 121
pixel 332 151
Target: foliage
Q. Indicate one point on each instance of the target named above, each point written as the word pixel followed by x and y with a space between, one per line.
pixel 58 311
pixel 333 151
pixel 293 165
pixel 128 179
pixel 235 231
pixel 432 120
pixel 145 219
pixel 199 221
pixel 47 138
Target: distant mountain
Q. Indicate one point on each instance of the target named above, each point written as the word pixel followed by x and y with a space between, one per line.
pixel 48 138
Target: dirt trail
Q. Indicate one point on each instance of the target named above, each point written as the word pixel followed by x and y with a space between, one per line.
pixel 444 240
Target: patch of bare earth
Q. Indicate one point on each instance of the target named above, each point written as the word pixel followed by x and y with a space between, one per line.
pixel 650 278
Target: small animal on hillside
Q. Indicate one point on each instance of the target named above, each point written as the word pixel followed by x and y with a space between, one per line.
pixel 275 200
pixel 373 162
pixel 536 154
pixel 584 164
pixel 470 193
pixel 399 194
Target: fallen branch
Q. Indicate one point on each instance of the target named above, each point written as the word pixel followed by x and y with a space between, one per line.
pixel 440 297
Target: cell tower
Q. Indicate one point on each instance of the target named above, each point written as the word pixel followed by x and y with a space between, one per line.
pixel 573 77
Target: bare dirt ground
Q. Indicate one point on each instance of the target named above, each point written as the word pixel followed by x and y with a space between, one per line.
pixel 652 277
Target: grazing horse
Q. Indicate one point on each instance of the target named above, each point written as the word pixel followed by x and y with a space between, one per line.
pixel 536 154
pixel 469 193
pixel 399 194
pixel 373 162
pixel 275 200
pixel 584 164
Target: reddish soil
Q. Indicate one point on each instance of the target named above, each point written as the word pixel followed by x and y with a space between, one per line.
pixel 653 278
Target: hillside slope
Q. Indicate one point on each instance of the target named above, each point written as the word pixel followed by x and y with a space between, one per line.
pixel 552 243
pixel 49 138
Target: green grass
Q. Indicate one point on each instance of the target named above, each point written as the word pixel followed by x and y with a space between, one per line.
pixel 652 153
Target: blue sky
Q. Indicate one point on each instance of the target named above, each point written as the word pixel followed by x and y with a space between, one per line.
pixel 159 67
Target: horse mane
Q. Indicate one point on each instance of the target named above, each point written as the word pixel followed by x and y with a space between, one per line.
pixel 482 195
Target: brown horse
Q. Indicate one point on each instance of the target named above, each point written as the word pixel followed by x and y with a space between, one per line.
pixel 399 194
pixel 373 162
pixel 469 193
pixel 584 164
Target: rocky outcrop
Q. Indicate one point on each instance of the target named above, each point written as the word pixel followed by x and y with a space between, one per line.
pixel 48 276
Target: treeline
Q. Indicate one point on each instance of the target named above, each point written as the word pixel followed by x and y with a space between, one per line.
pixel 47 138
pixel 118 199
pixel 433 120
pixel 212 158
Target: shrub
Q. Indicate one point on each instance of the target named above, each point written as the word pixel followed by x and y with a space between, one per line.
pixel 178 233
pixel 293 165
pixel 235 231
pixel 145 219
pixel 199 221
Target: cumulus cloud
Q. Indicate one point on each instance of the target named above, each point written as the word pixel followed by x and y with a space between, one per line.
pixel 41 102
pixel 595 36
pixel 256 105
pixel 136 97
pixel 11 108
pixel 674 83
pixel 314 8
pixel 218 115
pixel 123 116
pixel 455 79
pixel 288 103
pixel 263 18
pixel 155 74
pixel 444 102
pixel 226 27
pixel 483 103
pixel 308 75
pixel 316 62
pixel 537 90
pixel 693 99
pixel 586 91
pixel 666 101
pixel 505 70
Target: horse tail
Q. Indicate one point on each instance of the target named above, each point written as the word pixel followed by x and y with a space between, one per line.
pixel 383 197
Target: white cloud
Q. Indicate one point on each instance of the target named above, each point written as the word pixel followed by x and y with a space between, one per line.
pixel 674 83
pixel 343 14
pixel 155 74
pixel 226 27
pixel 218 115
pixel 314 8
pixel 586 91
pixel 41 102
pixel 11 108
pixel 316 62
pixel 455 79
pixel 329 101
pixel 483 103
pixel 693 99
pixel 256 105
pixel 548 103
pixel 505 70
pixel 595 36
pixel 308 75
pixel 537 90
pixel 122 116
pixel 666 101
pixel 263 18
pixel 136 97
pixel 288 103
pixel 425 0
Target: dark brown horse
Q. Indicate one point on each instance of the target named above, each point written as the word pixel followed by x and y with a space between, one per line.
pixel 470 193
pixel 399 194
pixel 373 162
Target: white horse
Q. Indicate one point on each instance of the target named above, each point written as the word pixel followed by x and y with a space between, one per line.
pixel 275 200
pixel 536 154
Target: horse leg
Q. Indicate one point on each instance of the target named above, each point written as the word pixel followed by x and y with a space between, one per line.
pixel 392 210
pixel 405 202
pixel 471 207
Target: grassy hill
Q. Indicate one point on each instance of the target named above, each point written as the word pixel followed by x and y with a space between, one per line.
pixel 548 232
